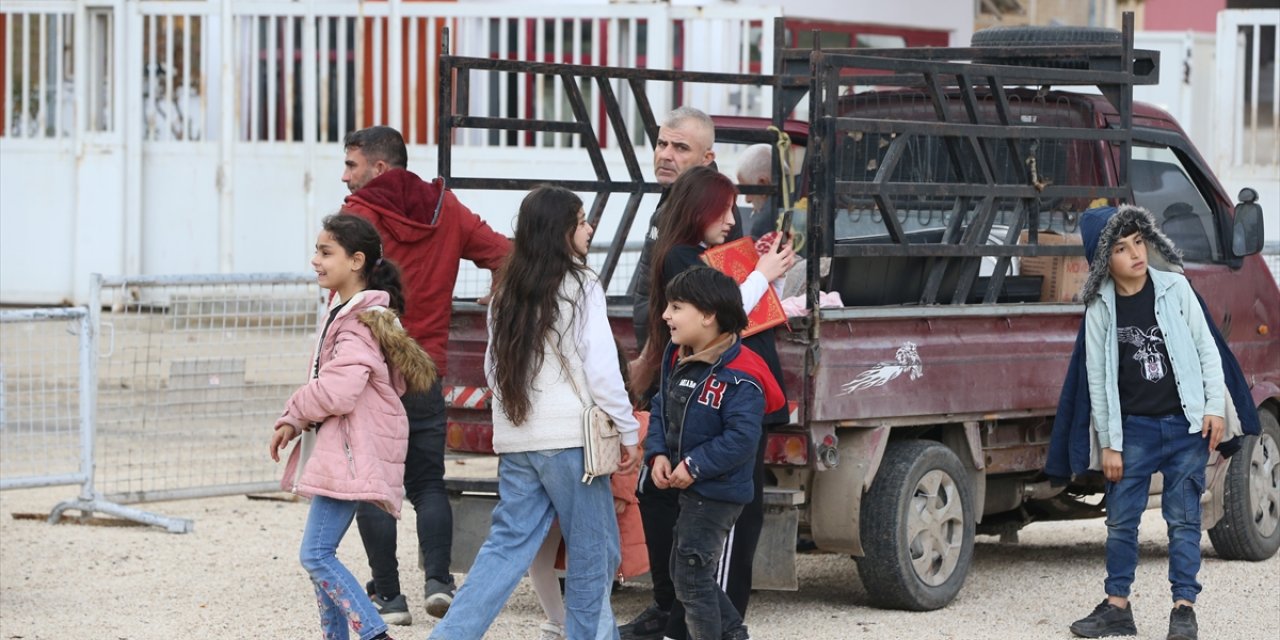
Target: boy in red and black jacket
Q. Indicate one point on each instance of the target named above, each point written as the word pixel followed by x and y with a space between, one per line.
pixel 704 428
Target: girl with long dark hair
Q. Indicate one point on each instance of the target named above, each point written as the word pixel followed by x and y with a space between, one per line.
pixel 551 354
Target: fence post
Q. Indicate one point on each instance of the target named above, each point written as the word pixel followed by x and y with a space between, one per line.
pixel 658 54
pixel 395 66
pixel 89 325
pixel 227 136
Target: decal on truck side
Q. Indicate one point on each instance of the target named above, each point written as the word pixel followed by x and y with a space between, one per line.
pixel 906 360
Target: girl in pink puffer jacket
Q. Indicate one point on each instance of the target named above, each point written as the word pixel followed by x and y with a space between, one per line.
pixel 353 428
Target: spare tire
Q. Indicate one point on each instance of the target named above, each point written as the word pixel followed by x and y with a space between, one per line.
pixel 1021 36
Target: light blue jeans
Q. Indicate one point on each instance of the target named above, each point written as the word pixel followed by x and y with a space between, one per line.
pixel 341 598
pixel 534 488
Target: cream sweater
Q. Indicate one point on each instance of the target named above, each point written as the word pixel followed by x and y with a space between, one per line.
pixel 555 416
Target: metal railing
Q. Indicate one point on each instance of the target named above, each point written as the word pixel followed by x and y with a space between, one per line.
pixel 162 388
pixel 312 71
pixel 45 409
pixel 193 372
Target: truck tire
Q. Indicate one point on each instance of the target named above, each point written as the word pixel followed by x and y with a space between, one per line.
pixel 1250 524
pixel 1020 36
pixel 917 527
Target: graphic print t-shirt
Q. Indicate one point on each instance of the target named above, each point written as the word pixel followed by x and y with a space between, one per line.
pixel 1147 385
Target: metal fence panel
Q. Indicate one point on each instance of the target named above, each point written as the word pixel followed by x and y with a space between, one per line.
pixel 194 371
pixel 42 421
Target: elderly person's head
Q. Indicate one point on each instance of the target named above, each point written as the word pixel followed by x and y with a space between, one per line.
pixel 684 141
pixel 755 168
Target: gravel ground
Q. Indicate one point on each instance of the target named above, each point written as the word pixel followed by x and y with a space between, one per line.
pixel 237 576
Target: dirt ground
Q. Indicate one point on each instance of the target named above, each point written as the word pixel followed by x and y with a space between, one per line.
pixel 237 576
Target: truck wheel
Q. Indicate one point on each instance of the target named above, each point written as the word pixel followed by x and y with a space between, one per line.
pixel 1019 36
pixel 917 528
pixel 1250 524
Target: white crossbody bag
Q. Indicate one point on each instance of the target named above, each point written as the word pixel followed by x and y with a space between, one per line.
pixel 601 442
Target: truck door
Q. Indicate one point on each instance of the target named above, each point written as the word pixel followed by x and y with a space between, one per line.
pixel 1169 180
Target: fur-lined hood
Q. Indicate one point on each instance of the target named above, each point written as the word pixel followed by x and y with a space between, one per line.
pixel 403 353
pixel 1100 228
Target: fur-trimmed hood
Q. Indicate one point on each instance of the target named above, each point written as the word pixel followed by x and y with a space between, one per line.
pixel 403 353
pixel 1100 229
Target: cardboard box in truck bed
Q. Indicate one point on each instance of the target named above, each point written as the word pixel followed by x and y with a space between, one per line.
pixel 1063 275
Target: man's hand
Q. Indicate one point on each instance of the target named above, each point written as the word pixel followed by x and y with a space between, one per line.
pixel 283 434
pixel 681 478
pixel 630 458
pixel 1214 428
pixel 662 472
pixel 1112 465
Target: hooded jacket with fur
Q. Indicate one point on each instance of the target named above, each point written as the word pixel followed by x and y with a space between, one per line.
pixel 366 362
pixel 1075 443
pixel 1196 365
pixel 426 230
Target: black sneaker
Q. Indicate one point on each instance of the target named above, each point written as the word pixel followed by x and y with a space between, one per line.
pixel 394 611
pixel 1182 623
pixel 737 633
pixel 1106 620
pixel 439 596
pixel 649 625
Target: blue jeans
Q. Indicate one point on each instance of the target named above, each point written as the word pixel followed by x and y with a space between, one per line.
pixel 1150 445
pixel 696 548
pixel 341 598
pixel 535 487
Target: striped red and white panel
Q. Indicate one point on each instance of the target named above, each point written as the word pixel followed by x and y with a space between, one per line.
pixel 468 397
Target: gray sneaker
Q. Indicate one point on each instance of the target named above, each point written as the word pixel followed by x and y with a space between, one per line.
pixel 1106 620
pixel 394 611
pixel 1182 624
pixel 439 597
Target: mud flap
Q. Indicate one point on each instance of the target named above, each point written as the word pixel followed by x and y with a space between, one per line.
pixel 472 502
pixel 774 566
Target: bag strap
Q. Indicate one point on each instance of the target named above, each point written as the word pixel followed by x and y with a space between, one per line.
pixel 564 366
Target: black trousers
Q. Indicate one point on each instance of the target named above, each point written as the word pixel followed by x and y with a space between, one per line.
pixel 424 486
pixel 659 510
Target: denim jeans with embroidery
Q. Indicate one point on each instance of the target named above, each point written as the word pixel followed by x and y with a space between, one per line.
pixel 341 598
pixel 698 543
pixel 1154 444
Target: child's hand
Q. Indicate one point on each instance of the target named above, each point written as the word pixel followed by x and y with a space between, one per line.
pixel 1112 465
pixel 630 458
pixel 1214 428
pixel 619 505
pixel 681 478
pixel 283 434
pixel 662 472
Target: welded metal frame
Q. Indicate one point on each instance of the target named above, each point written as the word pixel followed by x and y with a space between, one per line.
pixel 455 114
pixel 939 73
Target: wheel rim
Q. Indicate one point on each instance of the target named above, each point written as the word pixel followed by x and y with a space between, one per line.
pixel 935 528
pixel 1264 485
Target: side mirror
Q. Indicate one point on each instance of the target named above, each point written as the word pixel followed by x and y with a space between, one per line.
pixel 1246 233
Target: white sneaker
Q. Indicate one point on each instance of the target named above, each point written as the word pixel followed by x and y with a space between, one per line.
pixel 551 631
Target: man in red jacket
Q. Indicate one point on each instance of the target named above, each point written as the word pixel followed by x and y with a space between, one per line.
pixel 426 231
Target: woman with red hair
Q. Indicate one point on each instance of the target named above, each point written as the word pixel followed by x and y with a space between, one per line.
pixel 698 214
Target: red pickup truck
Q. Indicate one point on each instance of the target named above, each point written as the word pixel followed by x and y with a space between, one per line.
pixel 944 196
